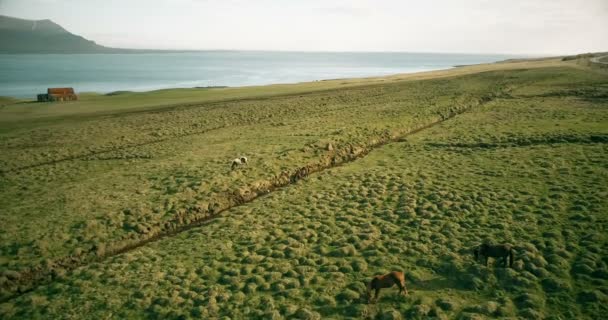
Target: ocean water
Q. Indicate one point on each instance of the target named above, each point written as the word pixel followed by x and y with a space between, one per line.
pixel 28 74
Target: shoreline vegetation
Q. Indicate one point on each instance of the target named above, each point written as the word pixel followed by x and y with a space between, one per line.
pixel 346 178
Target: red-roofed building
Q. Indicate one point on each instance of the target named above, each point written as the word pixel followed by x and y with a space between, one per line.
pixel 58 94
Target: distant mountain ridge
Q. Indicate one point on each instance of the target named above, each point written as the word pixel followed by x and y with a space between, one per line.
pixel 44 36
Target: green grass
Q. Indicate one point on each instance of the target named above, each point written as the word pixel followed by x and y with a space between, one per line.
pixel 6 101
pixel 526 166
pixel 110 179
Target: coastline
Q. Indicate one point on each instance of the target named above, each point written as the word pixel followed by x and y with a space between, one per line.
pixel 24 76
pixel 94 103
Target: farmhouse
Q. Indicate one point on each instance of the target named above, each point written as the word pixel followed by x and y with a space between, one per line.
pixel 58 94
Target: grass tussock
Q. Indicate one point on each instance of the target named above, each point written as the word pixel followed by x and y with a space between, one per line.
pixel 522 166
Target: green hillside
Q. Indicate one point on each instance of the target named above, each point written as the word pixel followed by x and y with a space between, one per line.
pixel 125 206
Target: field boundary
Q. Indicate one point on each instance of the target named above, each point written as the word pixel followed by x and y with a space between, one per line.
pixel 26 280
pixel 549 140
pixel 96 153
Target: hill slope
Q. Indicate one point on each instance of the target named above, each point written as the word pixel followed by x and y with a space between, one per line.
pixel 43 36
pixel 100 213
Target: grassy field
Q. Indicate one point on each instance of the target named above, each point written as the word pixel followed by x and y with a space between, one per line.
pixel 518 154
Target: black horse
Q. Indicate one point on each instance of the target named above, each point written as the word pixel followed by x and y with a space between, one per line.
pixel 503 251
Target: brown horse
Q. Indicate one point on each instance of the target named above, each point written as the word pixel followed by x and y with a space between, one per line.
pixel 503 251
pixel 386 281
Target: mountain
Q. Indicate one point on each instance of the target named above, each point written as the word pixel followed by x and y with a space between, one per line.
pixel 44 36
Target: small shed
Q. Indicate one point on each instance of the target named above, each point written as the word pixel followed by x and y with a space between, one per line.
pixel 58 94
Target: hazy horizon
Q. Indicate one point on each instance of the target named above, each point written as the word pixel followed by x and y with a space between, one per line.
pixel 474 26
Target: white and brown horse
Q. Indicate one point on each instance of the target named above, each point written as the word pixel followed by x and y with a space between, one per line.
pixel 238 162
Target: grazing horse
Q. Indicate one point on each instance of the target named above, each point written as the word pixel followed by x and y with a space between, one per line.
pixel 238 161
pixel 503 251
pixel 386 281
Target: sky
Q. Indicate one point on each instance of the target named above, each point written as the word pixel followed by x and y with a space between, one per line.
pixel 466 26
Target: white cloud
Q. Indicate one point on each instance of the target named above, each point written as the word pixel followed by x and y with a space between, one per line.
pixel 517 26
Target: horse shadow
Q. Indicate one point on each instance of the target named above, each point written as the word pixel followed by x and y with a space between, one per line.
pixel 433 284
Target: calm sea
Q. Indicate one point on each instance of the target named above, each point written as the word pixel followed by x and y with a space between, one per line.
pixel 28 74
